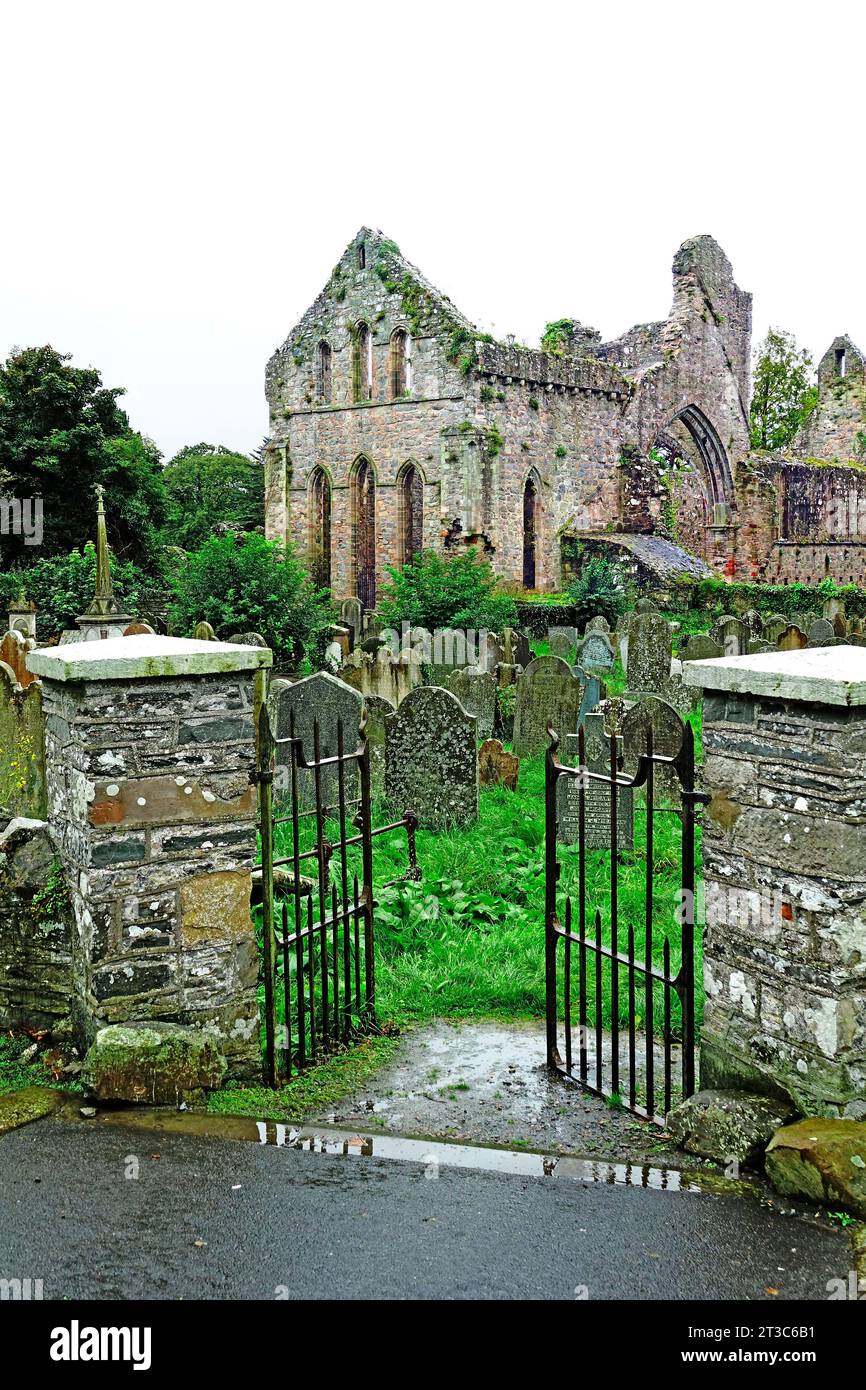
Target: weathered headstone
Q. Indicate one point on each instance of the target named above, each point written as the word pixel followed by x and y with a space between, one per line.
pixel 247 639
pixel 732 635
pixel 597 801
pixel 597 624
pixel 324 699
pixel 496 767
pixel 547 693
pixel 476 691
pixel 757 644
pixel 821 633
pixel 22 750
pixel 700 646
pixel 515 649
pixel 667 727
pixel 138 629
pixel 649 652
pixel 754 622
pixel 561 641
pixel 792 639
pixel 203 632
pixel 840 626
pixel 377 708
pixel 593 691
pixel 774 626
pixel 351 616
pixel 13 651
pixel 431 760
pixel 595 653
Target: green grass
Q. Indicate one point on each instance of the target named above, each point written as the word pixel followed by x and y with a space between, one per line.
pixel 468 939
pixel 315 1089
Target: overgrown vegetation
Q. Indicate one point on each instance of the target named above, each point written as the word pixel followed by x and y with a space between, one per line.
pixel 62 586
pixel 209 485
pixel 458 590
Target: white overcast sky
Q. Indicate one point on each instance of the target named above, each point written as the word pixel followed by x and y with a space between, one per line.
pixel 178 178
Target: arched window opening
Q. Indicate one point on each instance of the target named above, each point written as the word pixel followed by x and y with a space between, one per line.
pixel 362 256
pixel 323 373
pixel 362 363
pixel 840 361
pixel 320 529
pixel 401 363
pixel 364 538
pixel 411 514
pixel 530 532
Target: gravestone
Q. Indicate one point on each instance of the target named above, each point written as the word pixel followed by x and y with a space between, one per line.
pixel 774 627
pixel 840 626
pixel 496 767
pixel 431 759
pixel 645 605
pixel 13 651
pixel 595 653
pixel 792 639
pixel 476 691
pixel 325 699
pixel 138 629
pixel 247 639
pixel 757 644
pixel 700 646
pixel 351 616
pixel 731 634
pixel 547 693
pixel 593 691
pixel 821 633
pixel 453 649
pixel 561 641
pixel 514 648
pixel 204 633
pixel 667 727
pixel 377 707
pixel 597 624
pixel 507 675
pixel 754 622
pixel 649 653
pixel 596 813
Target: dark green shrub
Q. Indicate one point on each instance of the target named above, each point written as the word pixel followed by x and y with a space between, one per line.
pixel 244 583
pixel 458 590
pixel 598 590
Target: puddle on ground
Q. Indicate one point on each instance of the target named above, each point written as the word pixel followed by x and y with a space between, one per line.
pixel 430 1154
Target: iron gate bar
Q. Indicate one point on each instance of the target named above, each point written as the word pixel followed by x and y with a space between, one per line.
pixel 682 984
pixel 329 999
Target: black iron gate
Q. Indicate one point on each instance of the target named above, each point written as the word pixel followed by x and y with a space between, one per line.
pixel 602 979
pixel 318 948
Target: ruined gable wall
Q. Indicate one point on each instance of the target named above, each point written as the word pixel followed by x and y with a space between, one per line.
pixel 699 356
pixel 837 427
pixel 386 294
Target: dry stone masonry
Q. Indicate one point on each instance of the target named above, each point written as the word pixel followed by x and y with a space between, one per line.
pixel 149 751
pixel 785 876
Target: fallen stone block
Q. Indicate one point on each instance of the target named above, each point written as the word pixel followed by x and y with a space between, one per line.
pixel 153 1064
pixel 823 1160
pixel 727 1125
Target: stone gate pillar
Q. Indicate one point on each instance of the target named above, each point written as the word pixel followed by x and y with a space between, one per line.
pixel 149 747
pixel 784 850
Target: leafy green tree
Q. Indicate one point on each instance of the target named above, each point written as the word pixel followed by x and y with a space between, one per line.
pixel 208 484
pixel 61 433
pixel 244 583
pixel 457 590
pixel 62 587
pixel 784 394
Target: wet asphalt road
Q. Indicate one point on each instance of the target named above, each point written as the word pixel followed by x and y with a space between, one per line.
pixel 306 1225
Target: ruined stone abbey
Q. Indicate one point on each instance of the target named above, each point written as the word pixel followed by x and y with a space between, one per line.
pixel 395 426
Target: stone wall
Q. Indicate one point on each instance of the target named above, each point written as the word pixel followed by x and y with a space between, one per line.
pixel 784 740
pixel 150 747
pixel 480 419
pixel 36 929
pixel 800 521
